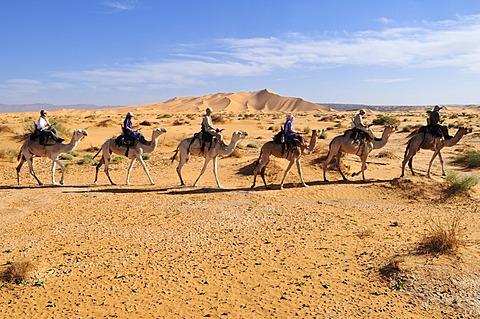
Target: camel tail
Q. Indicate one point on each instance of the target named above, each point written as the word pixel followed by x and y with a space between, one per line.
pixel 174 155
pixel 258 159
pixel 97 153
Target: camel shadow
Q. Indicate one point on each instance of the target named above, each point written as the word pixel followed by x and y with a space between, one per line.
pixel 7 187
pixel 205 190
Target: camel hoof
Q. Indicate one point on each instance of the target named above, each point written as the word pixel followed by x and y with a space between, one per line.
pixel 305 185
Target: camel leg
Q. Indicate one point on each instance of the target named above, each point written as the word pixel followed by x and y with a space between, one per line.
pixel 441 163
pixel 145 168
pixel 431 162
pixel 97 168
pixel 106 160
pixel 327 161
pixel 182 162
pixel 32 172
pixel 337 163
pixel 410 165
pixel 262 173
pixel 62 168
pixel 215 172
pixel 260 168
pixel 207 160
pixel 299 168
pixel 129 171
pixel 19 167
pixel 286 172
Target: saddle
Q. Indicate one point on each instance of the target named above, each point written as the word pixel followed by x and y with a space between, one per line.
pixel 42 136
pixel 206 140
pixel 125 140
pixel 435 130
pixel 358 136
pixel 279 138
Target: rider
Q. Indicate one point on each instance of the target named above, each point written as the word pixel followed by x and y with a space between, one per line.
pixel 128 129
pixel 290 134
pixel 358 124
pixel 46 129
pixel 207 125
pixel 435 122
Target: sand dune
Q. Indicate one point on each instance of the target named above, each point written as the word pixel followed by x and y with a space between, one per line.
pixel 258 101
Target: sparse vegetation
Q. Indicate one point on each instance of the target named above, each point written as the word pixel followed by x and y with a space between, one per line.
pixel 470 159
pixel 442 237
pixel 460 183
pixel 87 159
pixel 17 272
pixel 385 120
pixel 9 154
pixel 252 145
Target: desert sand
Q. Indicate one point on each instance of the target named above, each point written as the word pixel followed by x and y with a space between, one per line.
pixel 343 249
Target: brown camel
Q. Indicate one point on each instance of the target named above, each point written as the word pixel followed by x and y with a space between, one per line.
pixel 344 143
pixel 135 153
pixel 33 148
pixel 192 146
pixel 293 155
pixel 429 142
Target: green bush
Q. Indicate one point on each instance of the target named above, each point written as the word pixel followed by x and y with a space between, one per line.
pixel 146 156
pixel 252 145
pixel 66 156
pixel 459 184
pixel 323 136
pixel 385 120
pixel 87 159
pixel 470 159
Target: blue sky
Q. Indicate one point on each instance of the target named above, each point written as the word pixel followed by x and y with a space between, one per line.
pixel 134 52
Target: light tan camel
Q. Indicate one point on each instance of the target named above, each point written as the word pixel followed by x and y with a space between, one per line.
pixel 429 142
pixel 192 145
pixel 33 148
pixel 344 143
pixel 135 153
pixel 294 155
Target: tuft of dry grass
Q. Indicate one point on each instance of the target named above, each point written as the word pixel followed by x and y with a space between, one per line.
pixel 18 271
pixel 442 237
pixel 236 153
pixel 386 154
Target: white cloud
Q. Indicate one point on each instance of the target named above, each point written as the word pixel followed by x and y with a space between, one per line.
pixel 452 43
pixel 121 5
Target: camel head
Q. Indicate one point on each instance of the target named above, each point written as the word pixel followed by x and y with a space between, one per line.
pixel 239 135
pixel 465 130
pixel 158 131
pixel 78 133
pixel 389 129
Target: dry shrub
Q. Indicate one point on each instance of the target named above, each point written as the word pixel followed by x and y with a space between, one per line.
pixel 7 129
pixel 386 154
pixel 18 271
pixel 220 119
pixel 391 269
pixel 364 233
pixel 105 123
pixel 442 237
pixel 272 171
pixel 236 153
pixel 331 166
pixel 178 122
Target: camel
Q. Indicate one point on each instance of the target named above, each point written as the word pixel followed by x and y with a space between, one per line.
pixel 344 143
pixel 429 142
pixel 135 153
pixel 192 145
pixel 294 155
pixel 33 148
